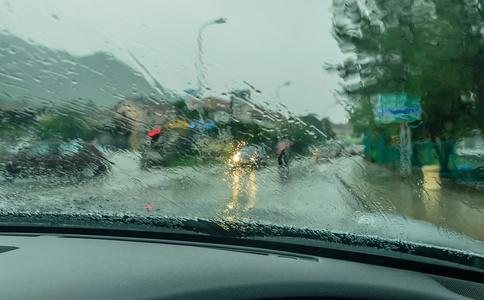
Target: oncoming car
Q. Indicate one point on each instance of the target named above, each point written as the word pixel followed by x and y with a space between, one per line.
pixel 252 156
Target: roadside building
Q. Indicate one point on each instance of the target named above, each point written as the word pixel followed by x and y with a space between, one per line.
pixel 217 109
pixel 241 106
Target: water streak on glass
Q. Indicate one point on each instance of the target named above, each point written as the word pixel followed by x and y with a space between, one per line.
pixel 355 116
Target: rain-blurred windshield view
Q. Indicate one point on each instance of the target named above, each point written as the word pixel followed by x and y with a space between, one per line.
pixel 360 116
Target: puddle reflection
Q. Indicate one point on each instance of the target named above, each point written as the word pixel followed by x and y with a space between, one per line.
pixel 431 192
pixel 243 192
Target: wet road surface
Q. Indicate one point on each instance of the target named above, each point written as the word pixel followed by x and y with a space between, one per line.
pixel 343 194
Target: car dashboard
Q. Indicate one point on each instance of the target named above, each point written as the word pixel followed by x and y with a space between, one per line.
pixel 67 266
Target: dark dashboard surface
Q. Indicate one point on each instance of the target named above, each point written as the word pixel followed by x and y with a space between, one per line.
pixel 49 266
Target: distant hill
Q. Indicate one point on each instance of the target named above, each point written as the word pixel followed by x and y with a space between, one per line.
pixel 36 74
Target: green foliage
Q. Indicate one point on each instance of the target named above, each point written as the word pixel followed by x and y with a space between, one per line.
pixel 252 133
pixel 68 125
pixel 307 130
pixel 301 134
pixel 12 131
pixel 433 49
pixel 302 131
pixel 403 47
pixel 15 122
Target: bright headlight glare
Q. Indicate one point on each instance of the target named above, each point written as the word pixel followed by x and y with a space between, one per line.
pixel 236 157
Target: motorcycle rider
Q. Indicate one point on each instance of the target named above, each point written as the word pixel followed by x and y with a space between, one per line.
pixel 155 134
pixel 282 151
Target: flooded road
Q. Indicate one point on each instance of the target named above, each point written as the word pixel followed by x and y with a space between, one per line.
pixel 344 194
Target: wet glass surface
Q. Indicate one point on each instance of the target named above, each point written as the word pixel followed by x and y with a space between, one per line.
pixel 349 116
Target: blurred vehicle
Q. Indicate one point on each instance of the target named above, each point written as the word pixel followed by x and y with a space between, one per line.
pixel 355 149
pixel 165 146
pixel 331 149
pixel 471 147
pixel 57 158
pixel 251 156
pixel 469 175
pixel 469 161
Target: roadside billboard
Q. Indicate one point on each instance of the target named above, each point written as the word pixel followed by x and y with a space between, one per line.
pixel 397 108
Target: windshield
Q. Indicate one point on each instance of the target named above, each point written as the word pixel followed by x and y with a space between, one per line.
pixel 358 117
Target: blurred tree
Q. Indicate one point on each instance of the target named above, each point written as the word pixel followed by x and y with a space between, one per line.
pixel 433 49
pixel 183 111
pixel 68 125
pixel 252 133
pixel 301 133
pixel 75 119
pixel 321 128
pixel 327 128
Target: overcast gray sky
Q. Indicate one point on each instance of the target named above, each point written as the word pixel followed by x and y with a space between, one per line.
pixel 264 42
